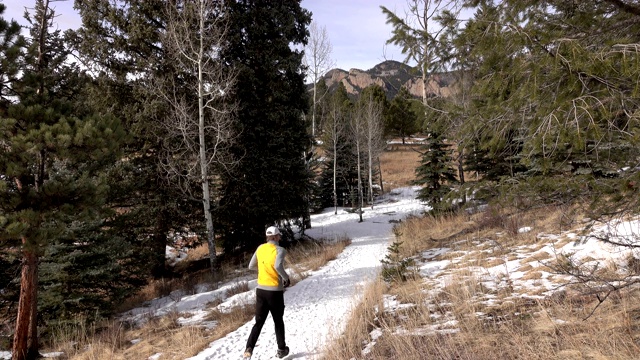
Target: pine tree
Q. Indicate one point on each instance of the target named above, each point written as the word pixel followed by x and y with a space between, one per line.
pixel 495 163
pixel 401 119
pixel 568 106
pixel 570 101
pixel 417 34
pixel 271 182
pixel 435 173
pixel 52 154
pixel 376 94
pixel 11 47
pixel 123 42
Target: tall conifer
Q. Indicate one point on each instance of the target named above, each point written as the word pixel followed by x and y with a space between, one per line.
pixel 271 182
pixel 52 153
pixel 435 172
pixel 402 121
pixel 121 42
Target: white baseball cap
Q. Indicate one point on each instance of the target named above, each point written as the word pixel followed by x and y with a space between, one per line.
pixel 272 230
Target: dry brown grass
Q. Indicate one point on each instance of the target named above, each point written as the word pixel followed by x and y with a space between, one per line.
pixel 112 341
pixel 164 335
pixel 414 239
pixel 508 327
pixel 398 164
pixel 199 252
pixel 229 321
pixel 349 344
pixel 311 255
pixel 238 288
pixel 164 287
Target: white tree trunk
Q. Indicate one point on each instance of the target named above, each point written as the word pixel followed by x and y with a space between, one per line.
pixel 189 162
pixel 335 177
pixel 370 165
pixel 204 166
pixel 371 113
pixel 317 57
pixel 359 181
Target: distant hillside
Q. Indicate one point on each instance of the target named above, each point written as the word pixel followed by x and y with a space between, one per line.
pixel 391 76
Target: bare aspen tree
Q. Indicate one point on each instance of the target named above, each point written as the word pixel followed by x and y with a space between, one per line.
pixel 317 58
pixel 358 132
pixel 333 134
pixel 199 129
pixel 374 137
pixel 417 34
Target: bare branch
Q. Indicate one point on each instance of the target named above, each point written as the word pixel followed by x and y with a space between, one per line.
pixel 317 59
pixel 199 129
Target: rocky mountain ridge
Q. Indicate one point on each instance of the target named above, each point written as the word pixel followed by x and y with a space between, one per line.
pixel 391 76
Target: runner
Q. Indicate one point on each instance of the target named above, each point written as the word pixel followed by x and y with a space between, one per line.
pixel 272 279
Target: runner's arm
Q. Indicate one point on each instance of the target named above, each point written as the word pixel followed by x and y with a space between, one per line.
pixel 253 264
pixel 279 265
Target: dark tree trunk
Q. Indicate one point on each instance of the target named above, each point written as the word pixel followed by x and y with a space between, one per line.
pixel 380 170
pixel 158 267
pixel 27 308
pixel 32 350
pixel 461 173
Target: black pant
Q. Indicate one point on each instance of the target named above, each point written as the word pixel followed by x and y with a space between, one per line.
pixel 268 301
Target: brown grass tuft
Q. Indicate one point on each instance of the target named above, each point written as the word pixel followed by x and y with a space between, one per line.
pixel 311 255
pixel 164 335
pixel 509 326
pixel 349 344
pixel 237 288
pixel 230 321
pixel 398 166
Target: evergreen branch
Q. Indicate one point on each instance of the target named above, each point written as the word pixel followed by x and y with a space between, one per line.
pixel 566 63
pixel 634 10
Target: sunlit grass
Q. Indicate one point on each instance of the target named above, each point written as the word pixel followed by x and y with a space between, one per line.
pixel 398 166
pixel 455 320
pixel 164 337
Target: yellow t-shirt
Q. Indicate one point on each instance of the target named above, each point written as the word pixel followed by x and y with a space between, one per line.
pixel 269 259
pixel 267 274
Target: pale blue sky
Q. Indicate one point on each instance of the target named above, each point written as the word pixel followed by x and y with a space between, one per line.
pixel 356 28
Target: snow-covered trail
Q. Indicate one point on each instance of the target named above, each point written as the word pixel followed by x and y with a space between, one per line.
pixel 318 307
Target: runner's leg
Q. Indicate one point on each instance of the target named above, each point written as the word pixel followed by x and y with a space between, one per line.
pixel 262 310
pixel 277 312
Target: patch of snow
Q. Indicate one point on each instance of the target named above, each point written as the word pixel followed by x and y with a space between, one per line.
pixel 318 307
pixel 53 354
pixel 174 255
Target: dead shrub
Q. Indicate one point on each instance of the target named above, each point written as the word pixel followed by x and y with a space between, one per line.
pixel 359 326
pixel 237 288
pixel 313 254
